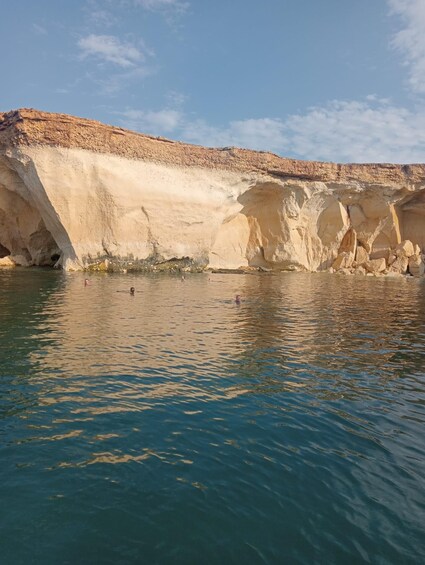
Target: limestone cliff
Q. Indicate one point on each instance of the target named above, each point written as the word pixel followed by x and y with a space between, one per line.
pixel 74 192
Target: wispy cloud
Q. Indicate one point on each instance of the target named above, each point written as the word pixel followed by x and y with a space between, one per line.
pixel 127 62
pixel 410 40
pixel 372 130
pixel 101 13
pixel 162 5
pixel 38 29
pixel 102 18
pixel 161 122
pixel 262 134
pixel 358 131
pixel 108 48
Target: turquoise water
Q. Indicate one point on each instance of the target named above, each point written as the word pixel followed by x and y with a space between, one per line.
pixel 178 427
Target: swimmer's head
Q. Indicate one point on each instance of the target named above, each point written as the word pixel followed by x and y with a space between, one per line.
pixel 132 289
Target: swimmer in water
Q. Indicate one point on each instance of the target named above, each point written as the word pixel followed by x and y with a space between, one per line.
pixel 132 290
pixel 238 299
pixel 86 282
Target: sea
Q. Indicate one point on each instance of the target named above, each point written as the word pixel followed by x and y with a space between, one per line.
pixel 176 426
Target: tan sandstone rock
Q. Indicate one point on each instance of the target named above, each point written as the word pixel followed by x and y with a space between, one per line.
pixel 405 249
pixel 360 271
pixel 375 266
pixel 416 266
pixel 20 260
pixel 361 255
pixel 343 261
pixel 80 194
pixel 391 258
pixel 400 265
pixel 7 262
pixel 349 242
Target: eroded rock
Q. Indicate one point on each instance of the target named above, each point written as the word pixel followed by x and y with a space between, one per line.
pixel 81 194
pixel 343 261
pixel 7 262
pixel 375 266
pixel 400 265
pixel 416 266
pixel 405 249
pixel 349 242
pixel 361 255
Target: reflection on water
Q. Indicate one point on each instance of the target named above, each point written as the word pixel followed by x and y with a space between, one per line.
pixel 176 426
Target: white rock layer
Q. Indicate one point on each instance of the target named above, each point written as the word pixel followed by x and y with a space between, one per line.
pixel 75 206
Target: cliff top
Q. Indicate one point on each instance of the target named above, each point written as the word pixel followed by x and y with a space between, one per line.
pixel 26 127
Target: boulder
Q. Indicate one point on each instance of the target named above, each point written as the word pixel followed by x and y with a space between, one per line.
pixel 349 242
pixel 361 255
pixel 391 258
pixel 400 265
pixel 375 266
pixel 381 253
pixel 416 266
pixel 405 249
pixel 343 261
pixel 360 271
pixel 20 260
pixel 7 262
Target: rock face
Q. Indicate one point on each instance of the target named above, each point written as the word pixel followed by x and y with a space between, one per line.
pixel 80 194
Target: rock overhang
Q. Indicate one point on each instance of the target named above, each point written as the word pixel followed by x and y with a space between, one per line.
pixel 104 192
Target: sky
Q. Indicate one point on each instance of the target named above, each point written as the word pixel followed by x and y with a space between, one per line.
pixel 329 80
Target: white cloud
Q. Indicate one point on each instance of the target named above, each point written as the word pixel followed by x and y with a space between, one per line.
pixel 371 130
pixel 160 5
pixel 156 123
pixel 109 48
pixel 346 131
pixel 261 134
pixel 100 13
pixel 102 18
pixel 353 131
pixel 410 40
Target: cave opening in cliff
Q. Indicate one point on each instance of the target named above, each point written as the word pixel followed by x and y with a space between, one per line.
pixel 4 251
pixel 23 234
pixel 411 213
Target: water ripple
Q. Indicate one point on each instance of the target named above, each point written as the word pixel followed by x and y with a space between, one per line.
pixel 176 426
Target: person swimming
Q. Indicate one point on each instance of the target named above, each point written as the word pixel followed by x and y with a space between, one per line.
pixel 132 290
pixel 86 282
pixel 238 299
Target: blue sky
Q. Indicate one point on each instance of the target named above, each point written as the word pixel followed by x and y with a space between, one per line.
pixel 337 80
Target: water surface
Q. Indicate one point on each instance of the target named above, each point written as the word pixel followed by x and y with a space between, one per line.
pixel 178 427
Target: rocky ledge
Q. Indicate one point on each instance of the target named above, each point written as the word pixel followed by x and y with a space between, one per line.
pixel 78 194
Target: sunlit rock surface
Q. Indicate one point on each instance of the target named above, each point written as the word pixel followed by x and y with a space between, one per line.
pixel 80 194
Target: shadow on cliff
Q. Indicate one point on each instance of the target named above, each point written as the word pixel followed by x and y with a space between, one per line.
pixel 31 231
